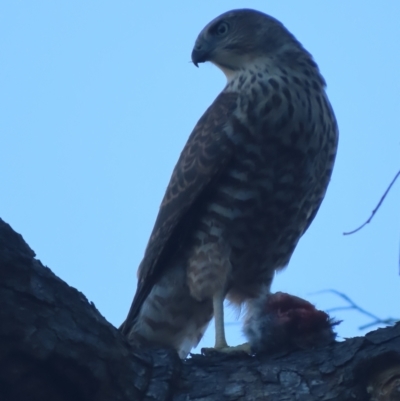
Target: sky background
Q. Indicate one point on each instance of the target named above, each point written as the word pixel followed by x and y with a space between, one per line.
pixel 99 97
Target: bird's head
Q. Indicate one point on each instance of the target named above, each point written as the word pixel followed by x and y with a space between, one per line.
pixel 239 37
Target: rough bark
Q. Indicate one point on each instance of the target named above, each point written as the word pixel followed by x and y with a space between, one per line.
pixel 55 345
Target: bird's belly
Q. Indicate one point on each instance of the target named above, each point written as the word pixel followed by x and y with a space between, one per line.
pixel 248 229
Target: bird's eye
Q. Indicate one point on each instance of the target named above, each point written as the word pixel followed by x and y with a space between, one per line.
pixel 222 29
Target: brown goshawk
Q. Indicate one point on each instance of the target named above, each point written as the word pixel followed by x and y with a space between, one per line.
pixel 246 187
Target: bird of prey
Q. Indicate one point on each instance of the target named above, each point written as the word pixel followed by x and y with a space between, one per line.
pixel 246 187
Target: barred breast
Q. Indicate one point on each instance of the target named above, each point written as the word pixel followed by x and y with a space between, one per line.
pixel 273 187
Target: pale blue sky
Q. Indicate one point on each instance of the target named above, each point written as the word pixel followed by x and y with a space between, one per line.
pixel 99 97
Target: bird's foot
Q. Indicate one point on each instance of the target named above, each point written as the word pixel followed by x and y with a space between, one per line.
pixel 227 350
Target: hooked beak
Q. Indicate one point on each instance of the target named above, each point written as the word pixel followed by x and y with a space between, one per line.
pixel 201 52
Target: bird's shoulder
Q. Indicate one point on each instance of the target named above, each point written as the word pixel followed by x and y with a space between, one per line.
pixel 206 153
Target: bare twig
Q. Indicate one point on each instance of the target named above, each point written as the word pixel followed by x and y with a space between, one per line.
pixel 353 306
pixel 377 207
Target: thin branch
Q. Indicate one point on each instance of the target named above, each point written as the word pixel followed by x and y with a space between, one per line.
pixel 389 322
pixel 377 207
pixel 353 306
pixel 339 308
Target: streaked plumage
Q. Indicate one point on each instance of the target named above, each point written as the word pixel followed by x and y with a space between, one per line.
pixel 247 185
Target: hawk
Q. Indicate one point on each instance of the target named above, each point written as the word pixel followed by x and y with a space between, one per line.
pixel 246 187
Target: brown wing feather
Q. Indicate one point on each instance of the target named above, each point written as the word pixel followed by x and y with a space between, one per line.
pixel 204 156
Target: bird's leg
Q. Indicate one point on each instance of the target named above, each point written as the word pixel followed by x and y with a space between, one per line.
pixel 218 304
pixel 220 340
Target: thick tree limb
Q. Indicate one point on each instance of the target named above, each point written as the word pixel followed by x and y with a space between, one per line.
pixel 54 345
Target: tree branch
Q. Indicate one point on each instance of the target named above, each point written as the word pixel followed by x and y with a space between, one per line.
pixel 353 306
pixel 55 345
pixel 377 206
